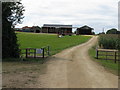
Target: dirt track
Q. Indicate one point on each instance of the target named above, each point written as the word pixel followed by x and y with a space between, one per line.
pixel 73 68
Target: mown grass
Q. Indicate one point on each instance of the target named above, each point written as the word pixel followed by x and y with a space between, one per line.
pixel 32 40
pixel 110 65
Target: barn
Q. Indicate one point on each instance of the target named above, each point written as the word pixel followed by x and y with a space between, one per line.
pixel 26 29
pixel 57 29
pixel 35 29
pixel 84 30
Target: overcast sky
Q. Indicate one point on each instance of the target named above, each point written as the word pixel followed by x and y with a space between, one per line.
pixel 97 14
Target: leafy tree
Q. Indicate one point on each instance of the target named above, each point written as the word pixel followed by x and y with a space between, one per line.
pixel 93 33
pixel 12 13
pixel 112 31
pixel 75 32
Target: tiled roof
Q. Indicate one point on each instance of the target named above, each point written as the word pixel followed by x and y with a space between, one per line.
pixel 85 27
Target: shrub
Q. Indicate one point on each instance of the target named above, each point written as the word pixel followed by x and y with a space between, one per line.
pixel 112 31
pixel 109 41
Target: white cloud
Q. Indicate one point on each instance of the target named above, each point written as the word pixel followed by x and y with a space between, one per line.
pixel 97 13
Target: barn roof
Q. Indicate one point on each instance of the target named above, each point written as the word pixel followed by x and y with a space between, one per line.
pixel 57 26
pixel 85 27
pixel 26 27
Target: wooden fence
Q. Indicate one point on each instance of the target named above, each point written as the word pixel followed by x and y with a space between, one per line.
pixel 107 54
pixel 35 52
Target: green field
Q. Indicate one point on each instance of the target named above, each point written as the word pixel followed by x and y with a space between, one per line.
pixel 35 40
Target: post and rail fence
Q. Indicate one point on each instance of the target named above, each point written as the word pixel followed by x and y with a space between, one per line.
pixel 35 52
pixel 108 54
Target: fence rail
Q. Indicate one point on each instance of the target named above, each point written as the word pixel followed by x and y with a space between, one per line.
pixel 107 54
pixel 35 52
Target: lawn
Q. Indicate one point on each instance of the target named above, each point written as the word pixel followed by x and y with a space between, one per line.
pixel 35 40
pixel 108 64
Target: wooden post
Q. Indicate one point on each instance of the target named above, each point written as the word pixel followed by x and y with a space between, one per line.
pixel 34 53
pixel 43 52
pixel 48 50
pixel 97 53
pixel 115 57
pixel 106 55
pixel 26 53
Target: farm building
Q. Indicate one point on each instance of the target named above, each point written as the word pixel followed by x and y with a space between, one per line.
pixel 84 30
pixel 26 29
pixel 35 29
pixel 57 29
pixel 18 29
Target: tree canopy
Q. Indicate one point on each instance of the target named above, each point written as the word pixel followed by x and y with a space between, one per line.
pixel 12 13
pixel 112 31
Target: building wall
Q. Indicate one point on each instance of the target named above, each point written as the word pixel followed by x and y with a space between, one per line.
pixel 56 30
pixel 84 31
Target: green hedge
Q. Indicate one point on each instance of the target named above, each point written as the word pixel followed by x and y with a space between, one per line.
pixel 109 41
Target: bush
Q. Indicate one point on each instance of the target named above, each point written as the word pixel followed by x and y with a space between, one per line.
pixel 112 31
pixel 109 41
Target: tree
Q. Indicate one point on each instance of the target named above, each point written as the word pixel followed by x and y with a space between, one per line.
pixel 101 33
pixel 112 31
pixel 12 13
pixel 75 32
pixel 93 33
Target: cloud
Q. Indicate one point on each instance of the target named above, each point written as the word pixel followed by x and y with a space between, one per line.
pixel 96 13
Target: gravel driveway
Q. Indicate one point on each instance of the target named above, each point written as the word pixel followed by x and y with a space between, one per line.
pixel 73 68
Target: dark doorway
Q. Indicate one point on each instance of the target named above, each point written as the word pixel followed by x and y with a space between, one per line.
pixel 37 31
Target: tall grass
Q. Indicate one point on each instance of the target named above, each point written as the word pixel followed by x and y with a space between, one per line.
pixel 109 41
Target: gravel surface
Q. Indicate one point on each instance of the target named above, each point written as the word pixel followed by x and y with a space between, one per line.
pixel 73 68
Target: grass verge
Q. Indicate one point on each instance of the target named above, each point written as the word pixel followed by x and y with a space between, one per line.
pixel 108 64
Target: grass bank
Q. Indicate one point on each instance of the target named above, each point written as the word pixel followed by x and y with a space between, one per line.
pixel 108 64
